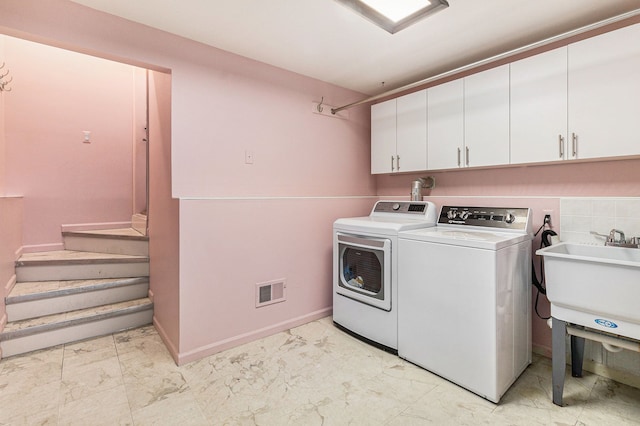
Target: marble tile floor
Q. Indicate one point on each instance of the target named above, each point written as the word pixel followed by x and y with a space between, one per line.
pixel 311 375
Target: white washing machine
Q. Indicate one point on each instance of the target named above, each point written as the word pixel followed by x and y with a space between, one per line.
pixel 365 273
pixel 464 304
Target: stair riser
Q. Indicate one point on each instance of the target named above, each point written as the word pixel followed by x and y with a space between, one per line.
pixel 107 245
pixel 81 272
pixel 76 332
pixel 71 302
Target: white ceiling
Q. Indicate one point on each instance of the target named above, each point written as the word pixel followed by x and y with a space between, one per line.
pixel 325 40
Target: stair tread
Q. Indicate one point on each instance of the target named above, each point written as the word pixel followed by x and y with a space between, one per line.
pixel 35 325
pixel 120 233
pixel 37 290
pixel 72 257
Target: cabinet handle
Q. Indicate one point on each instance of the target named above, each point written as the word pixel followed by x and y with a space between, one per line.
pixel 467 156
pixel 574 144
pixel 561 145
pixel 392 168
pixel 458 157
pixel 398 162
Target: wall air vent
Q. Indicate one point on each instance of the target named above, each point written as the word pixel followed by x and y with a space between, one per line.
pixel 270 292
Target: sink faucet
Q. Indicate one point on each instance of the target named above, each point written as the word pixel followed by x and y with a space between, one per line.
pixel 621 241
pixel 612 237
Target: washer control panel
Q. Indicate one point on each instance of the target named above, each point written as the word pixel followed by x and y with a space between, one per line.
pixel 488 217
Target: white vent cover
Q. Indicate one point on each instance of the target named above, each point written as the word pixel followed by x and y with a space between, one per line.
pixel 270 292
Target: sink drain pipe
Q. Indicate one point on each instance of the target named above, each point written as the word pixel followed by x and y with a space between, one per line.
pixel 610 343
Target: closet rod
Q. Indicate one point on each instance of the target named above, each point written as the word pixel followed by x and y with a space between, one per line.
pixel 491 59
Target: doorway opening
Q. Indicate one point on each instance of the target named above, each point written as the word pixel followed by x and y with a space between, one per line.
pixel 76 138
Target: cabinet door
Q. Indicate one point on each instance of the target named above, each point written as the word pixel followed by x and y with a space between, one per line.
pixel 539 107
pixel 486 117
pixel 383 137
pixel 411 122
pixel 604 94
pixel 445 125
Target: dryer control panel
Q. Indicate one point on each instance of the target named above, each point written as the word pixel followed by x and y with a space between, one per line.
pixel 402 207
pixel 488 217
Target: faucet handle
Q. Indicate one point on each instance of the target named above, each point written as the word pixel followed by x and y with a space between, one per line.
pixel 597 234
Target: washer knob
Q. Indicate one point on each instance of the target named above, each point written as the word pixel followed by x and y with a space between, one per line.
pixel 451 214
pixel 509 218
pixel 396 206
pixel 464 215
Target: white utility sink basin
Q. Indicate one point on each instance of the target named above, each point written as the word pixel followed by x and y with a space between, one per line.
pixel 594 286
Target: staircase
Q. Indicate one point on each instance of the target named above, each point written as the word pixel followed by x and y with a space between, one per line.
pixel 98 285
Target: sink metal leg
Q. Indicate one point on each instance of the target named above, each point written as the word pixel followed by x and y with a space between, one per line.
pixel 558 358
pixel 577 355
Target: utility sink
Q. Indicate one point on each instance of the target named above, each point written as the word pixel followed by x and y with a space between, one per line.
pixel 594 286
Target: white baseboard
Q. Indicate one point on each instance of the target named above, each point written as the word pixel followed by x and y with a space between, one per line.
pixel 9 285
pixel 542 350
pixel 204 351
pixel 619 376
pixel 37 248
pixel 173 351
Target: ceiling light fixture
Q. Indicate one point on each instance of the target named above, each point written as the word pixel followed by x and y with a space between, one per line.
pixel 395 15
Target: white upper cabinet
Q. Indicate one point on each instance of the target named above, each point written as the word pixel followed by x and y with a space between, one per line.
pixel 445 128
pixel 411 121
pixel 383 137
pixel 604 95
pixel 486 117
pixel 399 134
pixel 539 108
pixel 580 101
pixel 468 121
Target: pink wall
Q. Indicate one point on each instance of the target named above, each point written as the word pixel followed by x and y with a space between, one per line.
pixel 10 244
pixel 2 131
pixel 565 179
pixel 266 111
pixel 537 187
pixel 222 105
pixel 56 94
pixel 239 243
pixel 140 145
pixel 163 220
pixel 3 166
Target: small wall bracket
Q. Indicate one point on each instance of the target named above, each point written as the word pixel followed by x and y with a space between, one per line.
pixel 322 108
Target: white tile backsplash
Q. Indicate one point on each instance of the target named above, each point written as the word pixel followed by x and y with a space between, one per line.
pixel 581 224
pixel 603 224
pixel 628 208
pixel 630 226
pixel 604 207
pixel 576 206
pixel 580 216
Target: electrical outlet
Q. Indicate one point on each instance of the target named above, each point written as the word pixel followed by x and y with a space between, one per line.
pixel 547 219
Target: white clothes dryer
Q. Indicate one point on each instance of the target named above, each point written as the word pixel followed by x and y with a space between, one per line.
pixel 365 272
pixel 464 306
